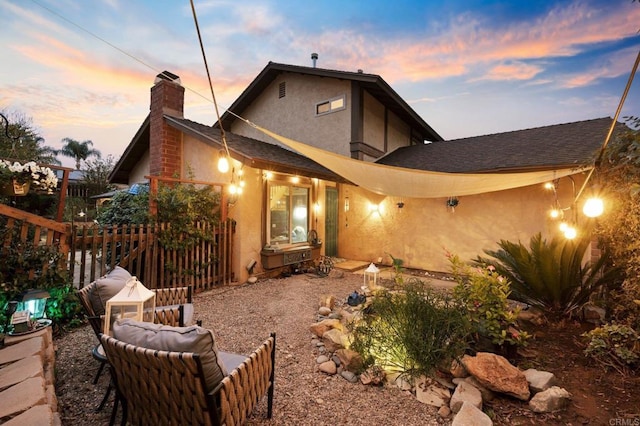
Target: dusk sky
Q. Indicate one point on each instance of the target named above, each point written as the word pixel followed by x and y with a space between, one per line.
pixel 469 67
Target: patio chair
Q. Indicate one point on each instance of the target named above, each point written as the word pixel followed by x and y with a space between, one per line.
pixel 173 307
pixel 174 387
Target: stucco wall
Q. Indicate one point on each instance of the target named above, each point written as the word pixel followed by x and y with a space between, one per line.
pixel 140 170
pixel 421 231
pixel 294 115
pixel 246 210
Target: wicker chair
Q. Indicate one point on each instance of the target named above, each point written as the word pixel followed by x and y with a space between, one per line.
pixel 167 388
pixel 170 310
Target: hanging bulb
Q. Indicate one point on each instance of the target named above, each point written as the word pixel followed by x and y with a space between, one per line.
pixel 233 189
pixel 570 233
pixel 554 213
pixel 223 163
pixel 563 226
pixel 594 207
pixel 242 184
pixel 239 190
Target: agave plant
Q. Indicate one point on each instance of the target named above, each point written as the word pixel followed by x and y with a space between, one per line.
pixel 551 275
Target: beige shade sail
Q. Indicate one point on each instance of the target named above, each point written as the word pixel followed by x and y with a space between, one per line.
pixel 411 183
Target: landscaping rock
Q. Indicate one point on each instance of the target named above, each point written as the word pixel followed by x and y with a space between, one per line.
pixel 552 399
pixel 469 415
pixel 373 376
pixel 496 373
pixel 324 311
pixel 323 326
pixel 539 380
pixel 350 360
pixel 431 393
pixel 328 367
pixel 444 411
pixel 531 316
pixel 457 369
pixel 321 359
pixel 397 380
pixel 594 314
pixel 327 301
pixel 349 376
pixel 333 339
pixel 487 394
pixel 465 393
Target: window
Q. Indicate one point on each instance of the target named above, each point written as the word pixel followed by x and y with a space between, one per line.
pixel 288 214
pixel 282 90
pixel 332 105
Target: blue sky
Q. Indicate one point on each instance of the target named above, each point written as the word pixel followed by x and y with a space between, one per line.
pixel 468 67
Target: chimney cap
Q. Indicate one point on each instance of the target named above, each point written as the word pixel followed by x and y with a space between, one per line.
pixel 168 76
pixel 314 56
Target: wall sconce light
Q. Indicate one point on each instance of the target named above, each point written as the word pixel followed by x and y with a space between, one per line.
pixel 346 204
pixel 295 179
pixel 223 162
pixel 374 208
pixel 316 207
pixel 267 175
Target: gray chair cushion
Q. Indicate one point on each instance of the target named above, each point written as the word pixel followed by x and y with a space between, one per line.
pixel 106 287
pixel 177 339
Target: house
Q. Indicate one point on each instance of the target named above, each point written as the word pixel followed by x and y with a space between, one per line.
pixel 293 207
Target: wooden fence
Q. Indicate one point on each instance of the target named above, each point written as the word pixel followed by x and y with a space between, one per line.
pixel 89 252
pixel 203 265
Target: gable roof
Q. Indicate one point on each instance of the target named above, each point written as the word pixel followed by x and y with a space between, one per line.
pixel 372 83
pixel 542 148
pixel 251 152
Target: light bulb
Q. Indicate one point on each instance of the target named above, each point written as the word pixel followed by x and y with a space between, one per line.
pixel 223 164
pixel 563 226
pixel 594 207
pixel 570 233
pixel 239 190
pixel 242 184
pixel 554 213
pixel 233 189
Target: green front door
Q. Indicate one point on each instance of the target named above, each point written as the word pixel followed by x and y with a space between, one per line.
pixel 331 222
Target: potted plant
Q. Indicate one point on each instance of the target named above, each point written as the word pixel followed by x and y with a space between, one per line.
pixel 17 179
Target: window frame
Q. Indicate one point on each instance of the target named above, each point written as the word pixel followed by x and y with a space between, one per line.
pixel 270 239
pixel 329 103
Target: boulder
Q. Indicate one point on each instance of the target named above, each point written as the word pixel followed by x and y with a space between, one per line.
pixel 325 325
pixel 552 399
pixel 471 416
pixel 328 367
pixel 334 339
pixel 496 373
pixel 350 360
pixel 539 380
pixel 430 393
pixel 465 393
pixel 327 301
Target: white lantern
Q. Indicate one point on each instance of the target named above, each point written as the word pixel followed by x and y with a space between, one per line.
pixel 371 277
pixel 134 301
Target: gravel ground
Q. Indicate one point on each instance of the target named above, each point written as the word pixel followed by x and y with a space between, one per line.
pixel 241 318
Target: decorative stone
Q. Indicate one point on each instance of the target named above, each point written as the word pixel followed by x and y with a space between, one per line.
pixel 328 367
pixel 324 311
pixel 552 399
pixel 321 359
pixel 496 373
pixel 327 301
pixel 487 394
pixel 333 340
pixel 349 376
pixel 398 380
pixel 444 411
pixel 457 369
pixel 470 415
pixel 252 280
pixel 539 380
pixel 350 360
pixel 323 326
pixel 373 376
pixel 465 393
pixel 429 392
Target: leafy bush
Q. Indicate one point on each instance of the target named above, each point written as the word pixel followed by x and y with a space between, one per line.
pixel 484 293
pixel 550 275
pixel 614 346
pixel 125 209
pixel 413 332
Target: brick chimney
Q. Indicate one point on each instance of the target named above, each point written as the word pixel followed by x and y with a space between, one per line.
pixel 165 142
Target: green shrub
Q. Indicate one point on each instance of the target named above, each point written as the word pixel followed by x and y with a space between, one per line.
pixel 412 332
pixel 614 346
pixel 550 275
pixel 484 293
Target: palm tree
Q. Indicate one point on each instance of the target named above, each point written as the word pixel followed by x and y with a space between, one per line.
pixel 80 151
